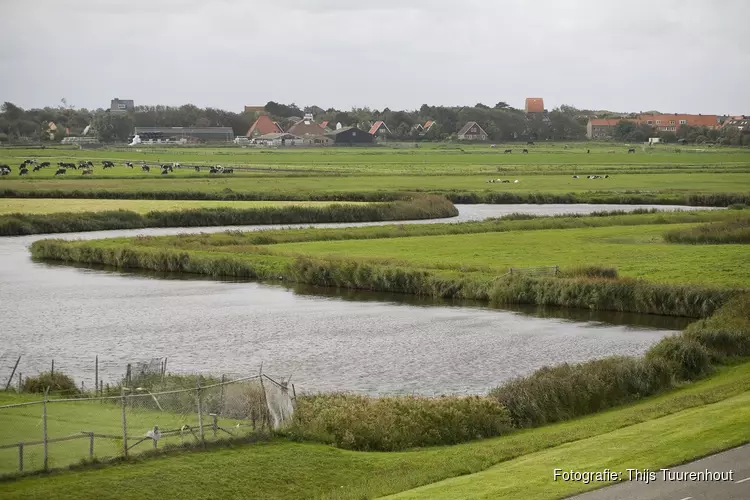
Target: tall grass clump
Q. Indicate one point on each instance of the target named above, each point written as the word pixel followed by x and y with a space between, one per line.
pixel 396 423
pixel 590 272
pixel 57 382
pixel 419 207
pixel 566 391
pixel 714 233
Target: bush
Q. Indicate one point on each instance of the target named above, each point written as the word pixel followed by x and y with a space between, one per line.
pixel 687 358
pixel 724 232
pixel 562 392
pixel 396 423
pixel 58 383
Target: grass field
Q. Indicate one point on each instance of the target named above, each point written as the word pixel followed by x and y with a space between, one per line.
pixel 637 251
pixel 52 205
pixel 304 174
pixel 633 244
pixel 695 420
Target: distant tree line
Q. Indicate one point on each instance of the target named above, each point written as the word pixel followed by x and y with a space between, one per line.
pixel 501 122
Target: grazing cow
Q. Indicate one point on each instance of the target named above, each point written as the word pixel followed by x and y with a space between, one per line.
pixel 44 164
pixel 493 145
pixel 530 143
pixel 23 171
pixel 525 151
pixel 108 164
pixel 606 176
pixel 36 168
pixel 4 169
pixel 575 177
pixel 505 181
pixel 197 168
pixel 60 171
pixel 87 171
pixel 145 168
pixel 516 181
pixel 164 171
pixel 227 171
pixel 588 151
pixel 90 164
pixel 508 151
pixel 129 164
pixel 631 150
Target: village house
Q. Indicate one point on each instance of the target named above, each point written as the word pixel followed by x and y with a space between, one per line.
pixel 121 105
pixel 601 128
pixel 379 129
pixel 741 123
pixel 311 133
pixel 263 126
pixel 472 132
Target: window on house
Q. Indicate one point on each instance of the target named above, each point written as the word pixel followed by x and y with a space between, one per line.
pixel 658 122
pixel 671 122
pixel 121 106
pixel 683 122
pixel 650 122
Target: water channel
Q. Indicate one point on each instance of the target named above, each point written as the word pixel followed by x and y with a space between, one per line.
pixel 325 339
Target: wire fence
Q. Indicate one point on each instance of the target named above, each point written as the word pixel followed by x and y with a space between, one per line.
pixel 54 432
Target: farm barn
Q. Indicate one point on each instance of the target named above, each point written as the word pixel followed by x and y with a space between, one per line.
pixel 279 139
pixel 350 135
pixel 206 134
pixel 263 126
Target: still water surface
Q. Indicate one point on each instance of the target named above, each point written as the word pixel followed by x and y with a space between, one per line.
pixel 325 339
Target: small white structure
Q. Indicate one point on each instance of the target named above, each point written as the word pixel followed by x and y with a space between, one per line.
pixel 279 139
pixel 653 140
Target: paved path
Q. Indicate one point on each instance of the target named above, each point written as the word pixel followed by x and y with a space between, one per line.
pixel 737 460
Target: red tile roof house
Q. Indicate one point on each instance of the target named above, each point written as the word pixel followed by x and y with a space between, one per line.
pixel 601 128
pixel 262 126
pixel 379 129
pixel 310 132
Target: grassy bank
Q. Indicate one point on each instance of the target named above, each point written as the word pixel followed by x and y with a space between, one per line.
pixel 422 207
pixel 458 260
pixel 57 205
pixel 287 470
pixel 736 230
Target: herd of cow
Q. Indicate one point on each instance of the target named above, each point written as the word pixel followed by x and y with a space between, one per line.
pixel 87 167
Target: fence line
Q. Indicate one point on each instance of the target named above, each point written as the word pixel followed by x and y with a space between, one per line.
pixel 532 271
pixel 230 408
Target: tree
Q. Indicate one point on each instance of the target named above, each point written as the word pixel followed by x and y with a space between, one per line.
pixel 113 127
pixel 481 106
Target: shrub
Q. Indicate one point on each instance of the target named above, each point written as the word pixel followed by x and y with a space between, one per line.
pixel 687 358
pixel 731 231
pixel 562 392
pixel 58 383
pixel 396 423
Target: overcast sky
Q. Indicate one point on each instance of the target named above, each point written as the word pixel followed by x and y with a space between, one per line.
pixel 688 56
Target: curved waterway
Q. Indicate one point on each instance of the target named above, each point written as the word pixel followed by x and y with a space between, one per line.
pixel 325 339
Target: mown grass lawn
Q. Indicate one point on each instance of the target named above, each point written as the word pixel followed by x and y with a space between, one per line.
pixel 56 205
pixel 635 251
pixel 287 470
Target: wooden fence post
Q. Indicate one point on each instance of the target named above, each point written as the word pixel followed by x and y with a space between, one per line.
pixel 20 457
pixel 52 371
pixel 20 382
pixel 200 408
pixel 96 376
pixel 124 425
pixel 10 379
pixel 44 429
pixel 91 446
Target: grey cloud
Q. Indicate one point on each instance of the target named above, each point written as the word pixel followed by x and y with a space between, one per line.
pixel 623 55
